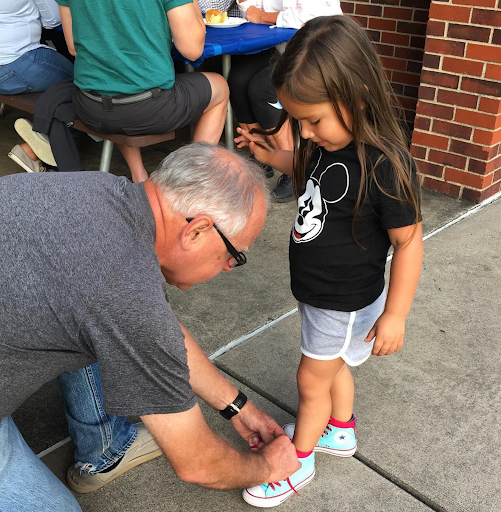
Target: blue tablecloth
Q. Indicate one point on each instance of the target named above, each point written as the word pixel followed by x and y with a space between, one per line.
pixel 247 38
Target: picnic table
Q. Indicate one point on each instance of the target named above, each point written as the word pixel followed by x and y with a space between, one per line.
pixel 242 40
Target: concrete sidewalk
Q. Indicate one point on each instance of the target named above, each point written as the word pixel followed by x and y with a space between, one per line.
pixel 428 417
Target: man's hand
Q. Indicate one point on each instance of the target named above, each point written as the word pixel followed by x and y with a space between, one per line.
pixel 281 456
pixel 255 426
pixel 389 331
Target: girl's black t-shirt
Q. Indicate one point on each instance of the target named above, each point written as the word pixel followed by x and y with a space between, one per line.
pixel 329 270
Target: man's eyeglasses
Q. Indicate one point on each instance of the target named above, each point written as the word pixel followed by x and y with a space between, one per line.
pixel 238 256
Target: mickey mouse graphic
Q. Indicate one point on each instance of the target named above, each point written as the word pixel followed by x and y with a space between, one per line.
pixel 325 186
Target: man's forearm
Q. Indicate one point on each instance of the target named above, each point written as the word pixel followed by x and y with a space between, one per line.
pixel 205 379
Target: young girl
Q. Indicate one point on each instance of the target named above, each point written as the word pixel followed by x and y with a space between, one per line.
pixel 357 194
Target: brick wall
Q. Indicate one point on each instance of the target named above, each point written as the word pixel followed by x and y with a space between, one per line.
pixel 398 30
pixel 457 135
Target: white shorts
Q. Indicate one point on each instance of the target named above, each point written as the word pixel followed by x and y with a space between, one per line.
pixel 327 334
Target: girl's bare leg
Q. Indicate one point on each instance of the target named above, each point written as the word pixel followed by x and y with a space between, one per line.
pixel 135 162
pixel 27 149
pixel 342 394
pixel 314 380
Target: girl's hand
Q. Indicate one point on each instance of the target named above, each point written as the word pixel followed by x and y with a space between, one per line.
pixel 253 14
pixel 257 144
pixel 389 331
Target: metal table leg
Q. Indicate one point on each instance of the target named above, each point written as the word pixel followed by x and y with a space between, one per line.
pixel 228 128
pixel 2 109
pixel 104 164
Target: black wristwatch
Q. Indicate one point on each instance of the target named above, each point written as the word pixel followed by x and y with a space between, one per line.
pixel 234 407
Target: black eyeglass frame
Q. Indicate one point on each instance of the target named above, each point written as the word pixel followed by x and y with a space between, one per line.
pixel 238 256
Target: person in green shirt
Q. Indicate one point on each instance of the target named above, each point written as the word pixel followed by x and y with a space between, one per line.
pixel 124 71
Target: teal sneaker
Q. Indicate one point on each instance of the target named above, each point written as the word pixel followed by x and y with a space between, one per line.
pixel 272 494
pixel 339 437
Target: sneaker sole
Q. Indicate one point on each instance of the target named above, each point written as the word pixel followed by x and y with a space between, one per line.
pixel 19 162
pixel 338 453
pixel 132 464
pixel 273 502
pixel 283 199
pixel 40 148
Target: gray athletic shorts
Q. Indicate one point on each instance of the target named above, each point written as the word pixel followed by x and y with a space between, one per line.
pixel 328 334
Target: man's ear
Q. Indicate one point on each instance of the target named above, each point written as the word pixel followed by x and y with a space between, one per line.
pixel 193 234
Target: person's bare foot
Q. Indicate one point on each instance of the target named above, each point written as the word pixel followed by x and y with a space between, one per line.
pixel 27 149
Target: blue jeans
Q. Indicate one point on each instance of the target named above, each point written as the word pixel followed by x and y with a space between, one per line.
pixel 35 71
pixel 26 483
pixel 100 440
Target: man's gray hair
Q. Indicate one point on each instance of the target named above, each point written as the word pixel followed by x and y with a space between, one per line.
pixel 202 178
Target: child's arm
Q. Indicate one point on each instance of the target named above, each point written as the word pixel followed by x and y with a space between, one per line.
pixel 405 270
pixel 280 159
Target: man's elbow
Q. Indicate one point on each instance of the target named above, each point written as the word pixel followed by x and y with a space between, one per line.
pixel 194 51
pixel 198 476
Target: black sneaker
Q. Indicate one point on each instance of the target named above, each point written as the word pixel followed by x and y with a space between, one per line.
pixel 268 171
pixel 283 191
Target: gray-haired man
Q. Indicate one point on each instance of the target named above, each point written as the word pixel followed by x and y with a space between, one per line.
pixel 81 281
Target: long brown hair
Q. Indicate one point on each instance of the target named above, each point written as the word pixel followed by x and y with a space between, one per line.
pixel 331 59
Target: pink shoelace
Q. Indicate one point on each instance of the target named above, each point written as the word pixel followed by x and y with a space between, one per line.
pixel 325 431
pixel 278 484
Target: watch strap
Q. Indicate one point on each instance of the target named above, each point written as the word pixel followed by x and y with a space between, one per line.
pixel 235 406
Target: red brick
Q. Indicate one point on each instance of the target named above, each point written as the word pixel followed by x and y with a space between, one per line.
pixel 407 103
pixel 435 28
pixel 431 61
pixel 406 78
pixel 496 37
pixel 476 3
pixel 462 66
pixel 421 16
pixel 384 49
pixel 497 176
pixel 426 93
pixel 409 53
pixel 449 13
pixel 361 20
pixel 430 140
pixel 347 7
pixel 478 196
pixel 418 42
pixel 439 157
pixel 444 47
pixel 477 119
pixel 369 10
pixel 418 151
pixel 493 71
pixel 433 110
pixel 481 86
pixel 440 79
pixel 483 52
pixel 468 149
pixel 393 63
pixel 477 166
pixel 480 34
pixel 486 17
pixel 411 92
pixel 430 169
pixel 457 98
pixel 396 39
pixel 467 178
pixel 382 24
pixel 388 74
pixel 406 27
pixel 442 186
pixel 397 13
pixel 454 130
pixel 484 136
pixel 374 35
pixel 490 105
pixel 409 117
pixel 417 4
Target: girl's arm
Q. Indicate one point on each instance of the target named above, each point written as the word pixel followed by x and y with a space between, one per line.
pixel 305 10
pixel 280 159
pixel 405 270
pixel 255 15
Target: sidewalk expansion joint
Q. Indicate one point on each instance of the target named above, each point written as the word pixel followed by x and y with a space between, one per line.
pixel 361 458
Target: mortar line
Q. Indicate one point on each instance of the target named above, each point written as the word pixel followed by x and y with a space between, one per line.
pixel 407 488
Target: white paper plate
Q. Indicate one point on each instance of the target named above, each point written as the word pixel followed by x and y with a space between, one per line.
pixel 229 23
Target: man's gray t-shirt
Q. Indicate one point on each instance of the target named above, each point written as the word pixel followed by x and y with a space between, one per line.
pixel 80 282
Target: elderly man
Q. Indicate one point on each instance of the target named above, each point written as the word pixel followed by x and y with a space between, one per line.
pixel 85 260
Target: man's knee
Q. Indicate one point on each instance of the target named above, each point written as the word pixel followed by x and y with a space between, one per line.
pixel 219 86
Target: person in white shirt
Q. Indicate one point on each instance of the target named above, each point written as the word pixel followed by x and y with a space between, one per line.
pixel 26 65
pixel 253 99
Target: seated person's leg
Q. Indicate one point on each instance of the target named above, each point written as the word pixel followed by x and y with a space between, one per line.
pixel 26 483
